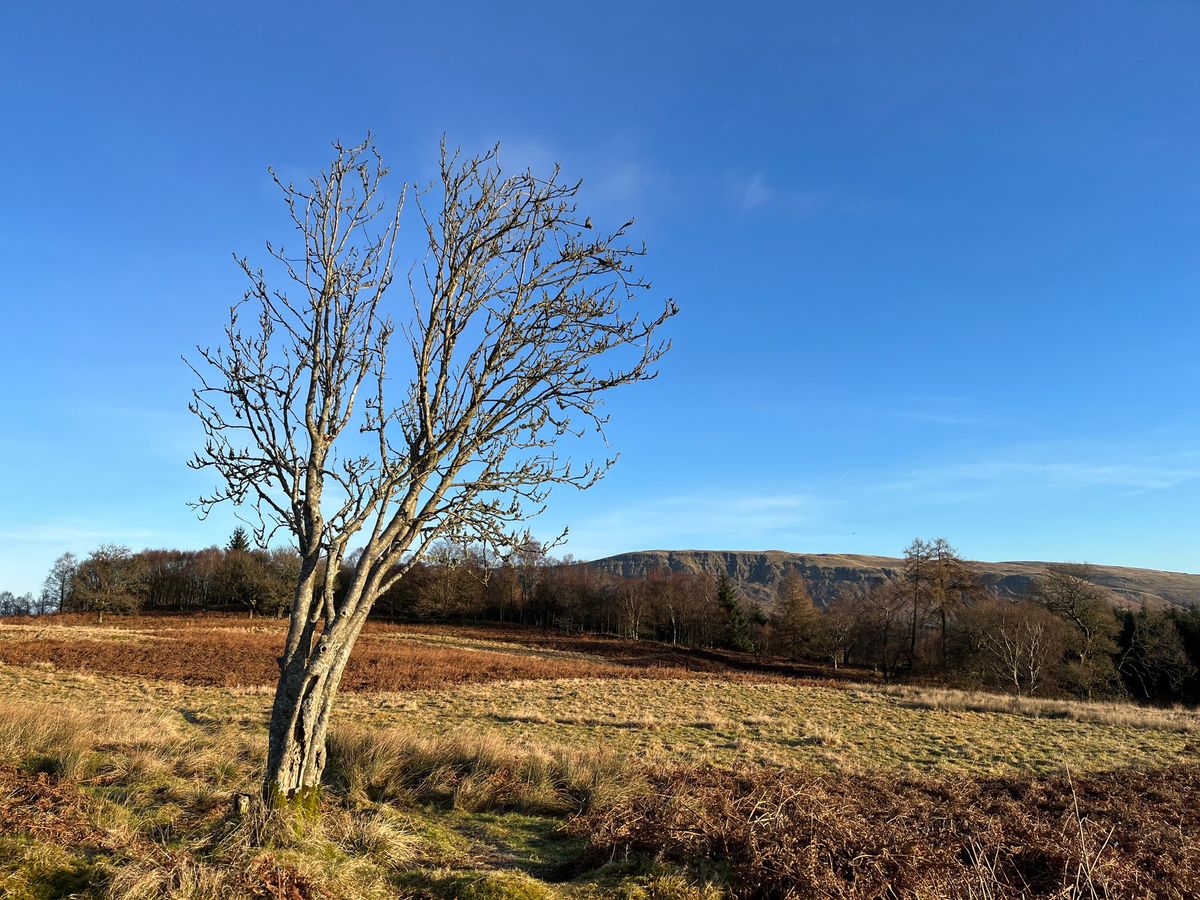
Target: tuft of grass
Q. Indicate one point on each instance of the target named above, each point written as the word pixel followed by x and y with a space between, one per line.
pixel 635 879
pixel 43 739
pixel 179 879
pixel 1179 719
pixel 470 771
pixel 481 886
pixel 390 841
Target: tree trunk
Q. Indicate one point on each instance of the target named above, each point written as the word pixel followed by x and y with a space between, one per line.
pixel 300 715
pixel 309 676
pixel 912 644
pixel 942 612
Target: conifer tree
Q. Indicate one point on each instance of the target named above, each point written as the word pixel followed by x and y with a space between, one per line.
pixel 238 541
pixel 737 625
pixel 795 620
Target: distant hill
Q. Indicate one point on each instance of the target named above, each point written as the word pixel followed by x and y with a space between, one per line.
pixel 757 572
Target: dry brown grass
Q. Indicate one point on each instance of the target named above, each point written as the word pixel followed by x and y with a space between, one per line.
pixel 473 772
pixel 44 806
pixel 132 807
pixel 1122 714
pixel 227 650
pixel 61 738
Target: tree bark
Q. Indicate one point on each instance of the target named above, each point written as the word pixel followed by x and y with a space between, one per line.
pixel 304 697
pixel 296 743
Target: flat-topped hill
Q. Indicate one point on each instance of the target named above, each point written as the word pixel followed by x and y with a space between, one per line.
pixel 757 572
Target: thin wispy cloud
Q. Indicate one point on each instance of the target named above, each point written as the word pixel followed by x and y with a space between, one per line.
pixel 757 192
pixel 928 411
pixel 752 192
pixel 856 509
pixel 665 522
pixel 996 475
pixel 933 417
pixel 618 180
pixel 629 182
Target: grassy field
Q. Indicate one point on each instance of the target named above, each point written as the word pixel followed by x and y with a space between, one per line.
pixel 496 764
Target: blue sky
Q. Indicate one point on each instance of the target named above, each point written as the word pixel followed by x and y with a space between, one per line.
pixel 937 262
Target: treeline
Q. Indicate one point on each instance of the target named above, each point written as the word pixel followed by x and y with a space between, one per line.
pixel 453 584
pixel 936 620
pixel 933 621
pixel 113 579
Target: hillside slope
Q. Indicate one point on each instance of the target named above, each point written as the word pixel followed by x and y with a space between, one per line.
pixel 757 572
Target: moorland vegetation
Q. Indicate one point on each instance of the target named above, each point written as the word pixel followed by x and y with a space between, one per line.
pixel 485 762
pixel 936 623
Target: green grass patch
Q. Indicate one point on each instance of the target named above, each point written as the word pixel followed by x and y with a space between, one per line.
pixel 33 870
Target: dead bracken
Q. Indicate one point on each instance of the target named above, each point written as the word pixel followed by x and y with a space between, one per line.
pixel 569 768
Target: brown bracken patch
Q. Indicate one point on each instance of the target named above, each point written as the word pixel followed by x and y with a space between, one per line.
pixel 224 652
pixel 42 806
pixel 786 833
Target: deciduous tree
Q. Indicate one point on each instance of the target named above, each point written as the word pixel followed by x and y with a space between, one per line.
pixel 836 627
pixel 938 584
pixel 338 419
pixel 1070 592
pixel 56 589
pixel 109 580
pixel 880 609
pixel 13 605
pixel 1154 661
pixel 1020 645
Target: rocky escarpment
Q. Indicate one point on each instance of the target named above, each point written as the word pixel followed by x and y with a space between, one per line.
pixel 758 572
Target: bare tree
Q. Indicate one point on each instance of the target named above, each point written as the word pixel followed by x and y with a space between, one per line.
pixel 109 580
pixel 1071 592
pixel 918 557
pixel 518 326
pixel 456 576
pixel 56 589
pixel 634 599
pixel 838 625
pixel 1156 658
pixel 876 611
pixel 1019 644
pixel 939 584
pixel 14 605
pixel 951 585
